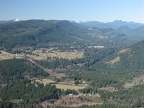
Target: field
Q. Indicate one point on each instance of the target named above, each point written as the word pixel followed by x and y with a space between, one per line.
pixel 45 81
pixel 71 87
pixel 77 101
pixel 41 54
pixel 61 85
pixel 5 55
pixel 135 81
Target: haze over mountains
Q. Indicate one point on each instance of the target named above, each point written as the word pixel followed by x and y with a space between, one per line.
pixel 115 24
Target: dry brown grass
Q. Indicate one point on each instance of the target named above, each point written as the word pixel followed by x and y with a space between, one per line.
pixel 60 85
pixel 71 87
pixel 39 55
pixel 123 51
pixel 115 60
pixel 5 55
pixel 110 89
pixel 66 55
pixel 75 101
pixel 36 57
pixel 136 81
pixel 45 81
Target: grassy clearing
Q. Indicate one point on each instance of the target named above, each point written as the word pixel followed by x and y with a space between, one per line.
pixel 71 87
pixel 45 81
pixel 114 60
pixel 5 55
pixel 123 51
pixel 60 85
pixel 136 81
pixel 109 89
pixel 43 55
pixel 66 54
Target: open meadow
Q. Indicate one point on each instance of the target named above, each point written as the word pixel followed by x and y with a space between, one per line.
pixel 61 85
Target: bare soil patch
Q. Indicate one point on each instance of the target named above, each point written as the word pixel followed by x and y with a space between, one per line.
pixel 5 55
pixel 75 101
pixel 71 87
pixel 42 54
pixel 44 81
pixel 110 89
pixel 115 60
pixel 123 51
pixel 134 82
pixel 61 85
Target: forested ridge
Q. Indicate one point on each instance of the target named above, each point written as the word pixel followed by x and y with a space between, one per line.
pixel 27 94
pixel 130 60
pixel 17 69
pixel 44 33
pixel 37 32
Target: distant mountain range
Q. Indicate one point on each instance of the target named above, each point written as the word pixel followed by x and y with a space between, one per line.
pixel 133 31
pixel 13 20
pixel 115 24
pixel 41 32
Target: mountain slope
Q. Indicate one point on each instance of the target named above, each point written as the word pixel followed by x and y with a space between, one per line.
pixel 115 24
pixel 43 33
pixel 34 32
pixel 18 69
pixel 126 60
pixel 133 31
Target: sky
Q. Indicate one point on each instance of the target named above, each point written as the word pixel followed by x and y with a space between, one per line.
pixel 75 10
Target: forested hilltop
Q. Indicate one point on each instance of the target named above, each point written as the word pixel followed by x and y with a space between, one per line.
pixel 62 64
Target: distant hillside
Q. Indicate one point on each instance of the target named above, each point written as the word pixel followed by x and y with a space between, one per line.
pixel 115 24
pixel 133 31
pixel 34 32
pixel 126 60
pixel 42 32
pixel 104 33
pixel 139 32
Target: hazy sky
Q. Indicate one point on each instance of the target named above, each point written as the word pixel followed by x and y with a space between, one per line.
pixel 77 10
